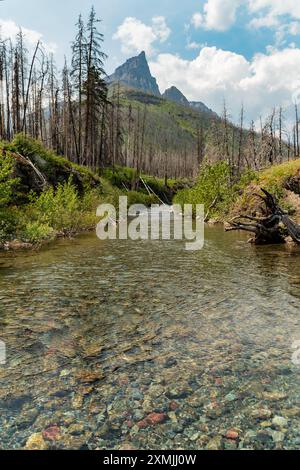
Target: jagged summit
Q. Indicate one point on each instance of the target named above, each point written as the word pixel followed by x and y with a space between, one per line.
pixel 135 73
pixel 173 94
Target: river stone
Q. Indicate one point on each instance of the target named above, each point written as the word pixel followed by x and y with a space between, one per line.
pixel 231 397
pixel 278 436
pixel 215 443
pixel 137 395
pixel 262 413
pixel 279 422
pixel 291 412
pixel 36 442
pixel 274 396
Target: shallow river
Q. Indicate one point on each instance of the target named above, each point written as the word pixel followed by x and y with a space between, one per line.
pixel 143 345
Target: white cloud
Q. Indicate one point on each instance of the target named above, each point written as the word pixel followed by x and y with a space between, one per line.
pixel 197 20
pixel 160 28
pixel 267 21
pixel 220 15
pixel 9 29
pixel 294 28
pixel 217 74
pixel 276 7
pixel 136 36
pixel 278 14
pixel 194 45
pixel 217 15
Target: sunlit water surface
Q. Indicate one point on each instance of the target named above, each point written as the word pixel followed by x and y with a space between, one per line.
pixel 102 335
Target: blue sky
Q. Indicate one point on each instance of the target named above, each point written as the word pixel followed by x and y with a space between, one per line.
pixel 55 20
pixel 238 50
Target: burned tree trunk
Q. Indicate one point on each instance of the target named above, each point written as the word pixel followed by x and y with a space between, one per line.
pixel 271 229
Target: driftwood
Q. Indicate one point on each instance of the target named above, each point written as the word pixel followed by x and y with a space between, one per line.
pixel 275 227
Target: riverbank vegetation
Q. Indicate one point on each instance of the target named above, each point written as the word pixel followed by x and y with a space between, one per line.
pixel 43 196
pixel 214 188
pixel 225 198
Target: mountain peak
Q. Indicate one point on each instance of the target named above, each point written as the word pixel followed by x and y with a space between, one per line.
pixel 173 94
pixel 135 73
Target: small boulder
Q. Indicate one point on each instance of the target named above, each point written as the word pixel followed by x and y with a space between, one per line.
pixel 36 442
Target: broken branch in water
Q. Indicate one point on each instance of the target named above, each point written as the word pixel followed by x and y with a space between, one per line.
pixel 274 228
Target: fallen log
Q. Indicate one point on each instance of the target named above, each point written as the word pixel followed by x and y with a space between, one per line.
pixel 273 228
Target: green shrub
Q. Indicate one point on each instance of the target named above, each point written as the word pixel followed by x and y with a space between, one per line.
pixel 135 197
pixel 9 221
pixel 6 181
pixel 213 185
pixel 58 208
pixel 35 232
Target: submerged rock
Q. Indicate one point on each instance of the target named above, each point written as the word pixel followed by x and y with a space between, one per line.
pixel 215 443
pixel 36 442
pixel 261 414
pixel 152 420
pixel 279 422
pixel 232 434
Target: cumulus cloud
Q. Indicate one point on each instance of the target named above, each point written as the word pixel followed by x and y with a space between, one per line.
pixel 276 14
pixel 216 75
pixel 276 7
pixel 220 15
pixel 9 29
pixel 267 21
pixel 136 35
pixel 197 20
pixel 217 15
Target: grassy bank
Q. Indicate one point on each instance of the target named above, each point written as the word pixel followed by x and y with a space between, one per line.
pixel 224 200
pixel 43 196
pixel 127 178
pixel 281 180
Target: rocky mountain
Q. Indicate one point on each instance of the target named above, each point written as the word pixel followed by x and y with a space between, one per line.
pixel 135 73
pixel 173 94
pixel 201 107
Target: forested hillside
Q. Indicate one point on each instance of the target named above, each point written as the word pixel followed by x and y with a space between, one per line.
pixel 91 120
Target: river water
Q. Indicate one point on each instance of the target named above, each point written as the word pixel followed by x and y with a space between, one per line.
pixel 143 345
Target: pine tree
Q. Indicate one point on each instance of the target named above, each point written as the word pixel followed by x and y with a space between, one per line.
pixel 94 88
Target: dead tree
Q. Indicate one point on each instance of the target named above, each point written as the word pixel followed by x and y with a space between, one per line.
pixel 272 228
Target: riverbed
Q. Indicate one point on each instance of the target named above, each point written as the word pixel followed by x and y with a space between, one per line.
pixel 143 345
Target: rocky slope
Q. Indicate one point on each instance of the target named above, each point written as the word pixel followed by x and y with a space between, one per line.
pixel 173 94
pixel 135 73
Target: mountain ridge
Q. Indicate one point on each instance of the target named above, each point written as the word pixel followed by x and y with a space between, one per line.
pixel 135 73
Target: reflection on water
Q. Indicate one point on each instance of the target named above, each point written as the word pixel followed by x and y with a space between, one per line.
pixel 145 345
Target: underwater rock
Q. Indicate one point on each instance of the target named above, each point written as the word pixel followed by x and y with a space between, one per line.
pixel 279 422
pixel 215 443
pixel 152 420
pixel 232 434
pixel 52 433
pixel 36 442
pixel 261 414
